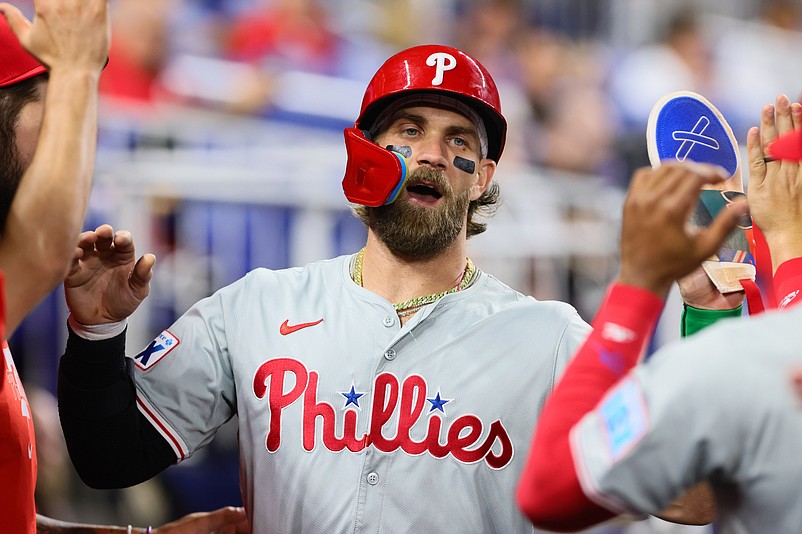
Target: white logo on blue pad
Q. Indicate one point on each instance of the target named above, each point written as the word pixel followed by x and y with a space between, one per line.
pixel 690 138
pixel 158 349
pixel 687 127
pixel 624 417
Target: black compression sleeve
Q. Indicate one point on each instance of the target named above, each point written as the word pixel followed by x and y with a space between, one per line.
pixel 110 442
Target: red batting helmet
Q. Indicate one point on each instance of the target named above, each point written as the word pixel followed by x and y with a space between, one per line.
pixel 437 69
pixel 16 64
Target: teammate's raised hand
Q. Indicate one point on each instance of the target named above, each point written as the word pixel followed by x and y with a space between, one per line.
pixel 657 244
pixel 71 34
pixel 106 282
pixel 775 187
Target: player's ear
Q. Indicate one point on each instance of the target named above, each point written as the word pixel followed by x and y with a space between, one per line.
pixel 484 175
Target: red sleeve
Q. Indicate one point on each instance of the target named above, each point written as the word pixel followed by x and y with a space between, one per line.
pixel 788 282
pixel 549 492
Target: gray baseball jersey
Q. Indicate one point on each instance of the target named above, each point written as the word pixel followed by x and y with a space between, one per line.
pixel 349 422
pixel 718 406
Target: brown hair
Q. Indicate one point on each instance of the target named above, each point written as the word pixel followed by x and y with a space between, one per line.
pixel 484 206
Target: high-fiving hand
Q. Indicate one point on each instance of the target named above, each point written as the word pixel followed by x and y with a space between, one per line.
pixel 657 244
pixel 775 187
pixel 106 283
pixel 65 34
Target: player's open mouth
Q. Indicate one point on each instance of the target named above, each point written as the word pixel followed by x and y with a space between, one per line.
pixel 424 193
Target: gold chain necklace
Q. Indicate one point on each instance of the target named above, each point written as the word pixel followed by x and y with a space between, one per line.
pixel 414 304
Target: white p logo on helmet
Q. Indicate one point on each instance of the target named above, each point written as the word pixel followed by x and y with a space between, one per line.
pixel 442 61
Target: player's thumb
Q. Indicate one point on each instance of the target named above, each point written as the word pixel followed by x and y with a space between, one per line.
pixel 16 21
pixel 724 223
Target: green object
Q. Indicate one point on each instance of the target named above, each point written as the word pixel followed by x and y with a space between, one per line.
pixel 695 319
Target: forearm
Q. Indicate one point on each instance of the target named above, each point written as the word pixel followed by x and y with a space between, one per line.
pixel 549 491
pixel 50 203
pixel 110 442
pixel 47 525
pixel 60 174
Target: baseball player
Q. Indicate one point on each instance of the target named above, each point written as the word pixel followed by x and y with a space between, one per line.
pixel 48 127
pixel 391 390
pixel 721 407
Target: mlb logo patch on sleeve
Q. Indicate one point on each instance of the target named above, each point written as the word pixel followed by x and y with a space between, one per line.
pixel 624 417
pixel 158 349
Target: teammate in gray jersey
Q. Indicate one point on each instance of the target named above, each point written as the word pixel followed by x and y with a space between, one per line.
pixel 722 407
pixel 392 390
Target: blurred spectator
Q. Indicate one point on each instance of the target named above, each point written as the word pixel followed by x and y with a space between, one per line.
pixel 576 19
pixel 543 60
pixel 140 49
pixel 286 34
pixel 679 61
pixel 488 30
pixel 752 61
pixel 579 133
pixel 572 123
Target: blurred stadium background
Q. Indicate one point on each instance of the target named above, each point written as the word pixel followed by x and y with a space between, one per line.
pixel 221 149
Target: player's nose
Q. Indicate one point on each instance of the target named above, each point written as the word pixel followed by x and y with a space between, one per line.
pixel 431 152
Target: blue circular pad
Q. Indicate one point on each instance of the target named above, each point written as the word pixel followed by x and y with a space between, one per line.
pixel 689 129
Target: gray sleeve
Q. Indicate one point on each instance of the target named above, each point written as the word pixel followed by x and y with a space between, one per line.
pixel 574 335
pixel 666 426
pixel 185 386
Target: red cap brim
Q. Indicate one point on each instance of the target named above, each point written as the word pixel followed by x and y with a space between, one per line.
pixel 788 146
pixel 16 64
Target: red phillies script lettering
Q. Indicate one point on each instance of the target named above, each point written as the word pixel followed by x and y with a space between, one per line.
pixel 284 381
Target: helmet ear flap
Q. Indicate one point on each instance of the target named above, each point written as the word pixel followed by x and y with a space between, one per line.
pixel 374 176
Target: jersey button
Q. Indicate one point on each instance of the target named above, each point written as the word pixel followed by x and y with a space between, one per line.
pixel 373 479
pixel 390 354
pixel 389 321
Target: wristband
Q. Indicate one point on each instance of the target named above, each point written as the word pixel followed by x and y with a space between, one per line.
pixel 788 282
pixel 96 332
pixel 695 319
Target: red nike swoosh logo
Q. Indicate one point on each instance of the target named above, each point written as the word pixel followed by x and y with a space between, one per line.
pixel 287 328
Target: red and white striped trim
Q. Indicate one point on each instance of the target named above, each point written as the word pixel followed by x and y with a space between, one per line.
pixel 178 445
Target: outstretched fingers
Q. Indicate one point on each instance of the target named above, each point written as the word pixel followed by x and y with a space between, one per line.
pixel 768 125
pixel 783 120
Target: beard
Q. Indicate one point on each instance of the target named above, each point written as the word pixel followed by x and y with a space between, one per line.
pixel 413 231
